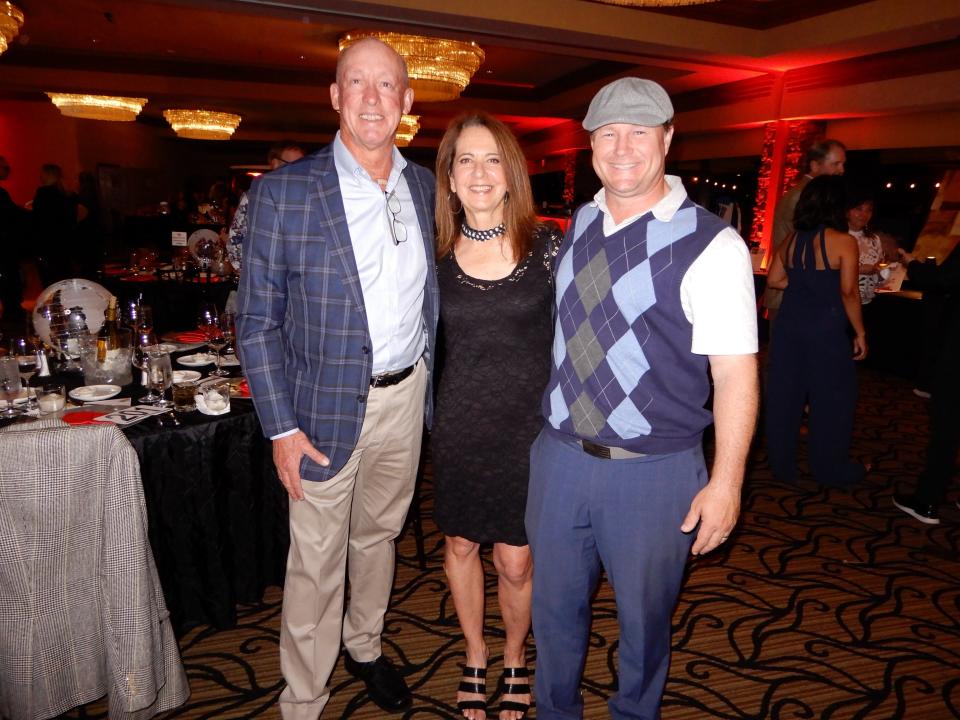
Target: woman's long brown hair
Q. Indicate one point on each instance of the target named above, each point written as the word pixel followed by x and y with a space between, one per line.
pixel 518 215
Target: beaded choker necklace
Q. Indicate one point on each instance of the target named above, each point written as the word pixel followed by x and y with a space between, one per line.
pixel 482 235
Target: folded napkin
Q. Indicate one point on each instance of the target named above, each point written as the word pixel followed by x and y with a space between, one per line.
pixel 82 417
pixel 190 336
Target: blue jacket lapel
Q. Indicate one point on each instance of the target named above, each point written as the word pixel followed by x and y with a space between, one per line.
pixel 326 203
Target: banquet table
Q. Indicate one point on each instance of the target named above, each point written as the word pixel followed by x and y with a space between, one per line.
pixel 217 513
pixel 216 510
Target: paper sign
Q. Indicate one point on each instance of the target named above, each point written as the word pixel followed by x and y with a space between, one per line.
pixel 128 416
pixel 179 239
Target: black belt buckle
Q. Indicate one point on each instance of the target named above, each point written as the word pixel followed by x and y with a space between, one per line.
pixel 388 379
pixel 599 451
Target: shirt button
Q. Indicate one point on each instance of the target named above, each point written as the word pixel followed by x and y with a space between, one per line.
pixel 365 349
pixel 361 398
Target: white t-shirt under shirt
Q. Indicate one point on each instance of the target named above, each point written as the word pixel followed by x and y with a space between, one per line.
pixel 717 292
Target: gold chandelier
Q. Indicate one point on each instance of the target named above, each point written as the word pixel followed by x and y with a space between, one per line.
pixel 408 127
pixel 202 124
pixel 656 3
pixel 11 20
pixel 439 69
pixel 98 107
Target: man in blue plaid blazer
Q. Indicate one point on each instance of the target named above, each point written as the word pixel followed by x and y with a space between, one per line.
pixel 336 325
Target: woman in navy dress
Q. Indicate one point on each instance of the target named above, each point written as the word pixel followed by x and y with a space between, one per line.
pixel 812 354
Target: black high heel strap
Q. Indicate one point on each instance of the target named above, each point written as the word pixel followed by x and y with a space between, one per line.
pixel 474 688
pixel 520 688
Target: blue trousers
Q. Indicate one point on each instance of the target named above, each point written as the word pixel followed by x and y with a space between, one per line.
pixel 624 515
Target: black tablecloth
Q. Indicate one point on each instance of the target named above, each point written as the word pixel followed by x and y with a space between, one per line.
pixel 217 512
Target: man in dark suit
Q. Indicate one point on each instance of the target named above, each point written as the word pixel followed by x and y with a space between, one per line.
pixel 336 325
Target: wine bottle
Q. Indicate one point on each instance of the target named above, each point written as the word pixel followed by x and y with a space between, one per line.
pixel 107 337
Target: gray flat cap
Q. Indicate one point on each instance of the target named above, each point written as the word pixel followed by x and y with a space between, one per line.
pixel 629 100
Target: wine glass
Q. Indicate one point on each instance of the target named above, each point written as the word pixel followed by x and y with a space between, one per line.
pixel 222 340
pixel 145 342
pixel 27 353
pixel 159 374
pixel 9 385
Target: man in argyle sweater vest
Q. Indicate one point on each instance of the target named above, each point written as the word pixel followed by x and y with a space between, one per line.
pixel 653 293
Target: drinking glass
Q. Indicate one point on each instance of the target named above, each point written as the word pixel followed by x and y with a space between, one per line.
pixel 222 340
pixel 159 375
pixel 27 352
pixel 184 395
pixel 68 345
pixel 144 343
pixel 51 398
pixel 216 396
pixel 9 385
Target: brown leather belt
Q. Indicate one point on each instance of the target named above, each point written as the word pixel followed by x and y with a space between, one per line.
pixel 607 452
pixel 391 378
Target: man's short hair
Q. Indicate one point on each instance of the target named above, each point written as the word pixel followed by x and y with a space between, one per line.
pixel 281 147
pixel 819 151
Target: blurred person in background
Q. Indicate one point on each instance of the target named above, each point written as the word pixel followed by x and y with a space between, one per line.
pixel 53 220
pixel 811 359
pixel 826 157
pixel 923 504
pixel 282 153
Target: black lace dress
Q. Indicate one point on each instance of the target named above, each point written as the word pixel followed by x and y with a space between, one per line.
pixel 497 344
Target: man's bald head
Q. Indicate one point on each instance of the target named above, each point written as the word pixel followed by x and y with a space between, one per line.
pixel 366 42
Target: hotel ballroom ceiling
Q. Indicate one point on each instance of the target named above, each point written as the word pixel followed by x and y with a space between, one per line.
pixel 730 65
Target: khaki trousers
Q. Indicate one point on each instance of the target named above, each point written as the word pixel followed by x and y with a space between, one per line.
pixel 348 524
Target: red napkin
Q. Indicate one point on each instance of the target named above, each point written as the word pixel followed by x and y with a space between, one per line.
pixel 243 389
pixel 190 336
pixel 82 417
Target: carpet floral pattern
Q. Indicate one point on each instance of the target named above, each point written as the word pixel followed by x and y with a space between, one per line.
pixel 823 604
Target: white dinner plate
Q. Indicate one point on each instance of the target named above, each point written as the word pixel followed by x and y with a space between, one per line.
pixel 92 393
pixel 197 359
pixel 184 375
pixel 169 347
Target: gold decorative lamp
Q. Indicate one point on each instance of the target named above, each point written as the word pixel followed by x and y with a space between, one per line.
pixel 439 69
pixel 98 107
pixel 11 20
pixel 202 124
pixel 407 129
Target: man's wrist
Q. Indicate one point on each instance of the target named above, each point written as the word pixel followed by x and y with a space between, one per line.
pixel 284 434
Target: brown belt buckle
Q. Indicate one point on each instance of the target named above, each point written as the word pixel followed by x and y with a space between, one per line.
pixel 599 451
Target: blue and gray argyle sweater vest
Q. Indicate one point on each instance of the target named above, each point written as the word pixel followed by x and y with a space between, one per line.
pixel 623 374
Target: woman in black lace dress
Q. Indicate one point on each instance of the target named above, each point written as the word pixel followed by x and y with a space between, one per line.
pixel 496 300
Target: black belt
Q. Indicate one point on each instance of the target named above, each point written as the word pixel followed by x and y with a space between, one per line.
pixel 387 379
pixel 606 452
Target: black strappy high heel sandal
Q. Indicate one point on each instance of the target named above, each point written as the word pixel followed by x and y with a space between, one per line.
pixel 479 687
pixel 518 688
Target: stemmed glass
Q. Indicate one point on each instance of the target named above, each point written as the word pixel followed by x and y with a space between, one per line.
pixel 219 341
pixel 208 322
pixel 9 385
pixel 144 343
pixel 159 375
pixel 27 353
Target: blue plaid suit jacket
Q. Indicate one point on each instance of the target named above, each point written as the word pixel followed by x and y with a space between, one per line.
pixel 301 324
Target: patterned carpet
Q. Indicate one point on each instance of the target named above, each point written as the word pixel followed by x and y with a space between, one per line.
pixel 824 604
